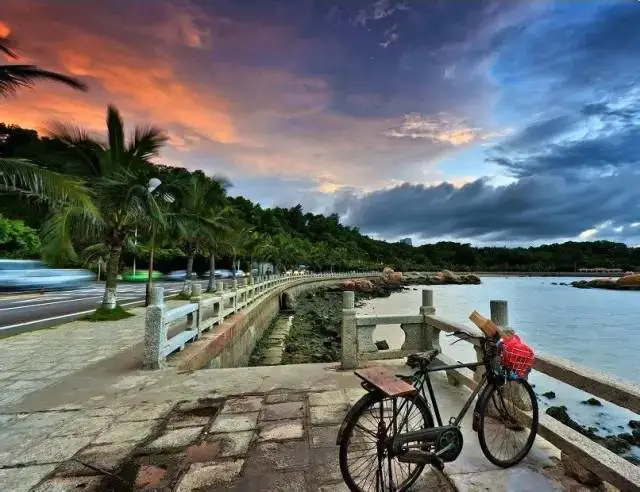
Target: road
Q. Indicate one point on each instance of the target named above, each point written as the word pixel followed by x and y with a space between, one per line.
pixel 22 312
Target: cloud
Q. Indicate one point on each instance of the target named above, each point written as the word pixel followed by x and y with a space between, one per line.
pixel 5 30
pixel 379 10
pixel 441 128
pixel 532 208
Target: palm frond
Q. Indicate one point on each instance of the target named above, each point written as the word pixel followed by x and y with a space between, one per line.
pixel 14 77
pixel 24 177
pixel 146 142
pixel 115 130
pixel 91 254
pixel 59 230
pixel 83 152
pixel 5 48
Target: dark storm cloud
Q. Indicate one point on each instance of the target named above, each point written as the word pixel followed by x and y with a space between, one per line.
pixel 532 208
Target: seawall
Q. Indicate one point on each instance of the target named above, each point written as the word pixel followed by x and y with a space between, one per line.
pixel 231 343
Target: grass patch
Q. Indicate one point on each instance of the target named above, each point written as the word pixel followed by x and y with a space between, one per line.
pixel 183 297
pixel 114 314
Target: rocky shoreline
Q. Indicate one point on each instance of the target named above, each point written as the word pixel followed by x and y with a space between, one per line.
pixel 608 283
pixel 315 332
pixel 620 444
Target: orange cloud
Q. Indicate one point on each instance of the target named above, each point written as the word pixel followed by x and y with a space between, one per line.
pixel 5 30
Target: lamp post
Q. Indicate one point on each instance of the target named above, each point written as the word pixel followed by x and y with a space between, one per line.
pixel 153 184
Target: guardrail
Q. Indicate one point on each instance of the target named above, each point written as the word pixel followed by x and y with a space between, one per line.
pixel 422 332
pixel 203 313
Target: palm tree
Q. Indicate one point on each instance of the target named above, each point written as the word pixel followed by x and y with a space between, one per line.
pixel 238 241
pixel 13 77
pixel 202 215
pixel 214 244
pixel 117 174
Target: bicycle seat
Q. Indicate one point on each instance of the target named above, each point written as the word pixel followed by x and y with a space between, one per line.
pixel 422 359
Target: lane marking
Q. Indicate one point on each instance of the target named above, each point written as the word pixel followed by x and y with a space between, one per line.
pixel 47 303
pixel 63 316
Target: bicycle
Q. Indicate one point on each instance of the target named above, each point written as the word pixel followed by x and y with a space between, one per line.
pixel 398 445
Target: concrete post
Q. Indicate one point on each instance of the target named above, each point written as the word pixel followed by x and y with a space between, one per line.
pixel 196 292
pixel 431 336
pixel 219 286
pixel 155 332
pixel 349 333
pixel 235 284
pixel 499 313
pixel 194 319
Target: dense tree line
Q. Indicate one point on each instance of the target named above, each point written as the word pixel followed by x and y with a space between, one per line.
pixel 318 241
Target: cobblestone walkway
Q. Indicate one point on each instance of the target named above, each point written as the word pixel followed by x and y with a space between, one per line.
pixel 246 429
pixel 32 361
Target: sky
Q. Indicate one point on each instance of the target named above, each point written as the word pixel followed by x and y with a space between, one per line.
pixel 485 121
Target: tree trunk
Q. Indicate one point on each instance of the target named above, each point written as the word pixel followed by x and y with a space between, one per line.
pixel 186 289
pixel 211 286
pixel 113 267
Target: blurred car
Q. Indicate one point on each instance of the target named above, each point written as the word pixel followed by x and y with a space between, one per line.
pixel 141 276
pixel 224 273
pixel 180 275
pixel 239 273
pixel 23 275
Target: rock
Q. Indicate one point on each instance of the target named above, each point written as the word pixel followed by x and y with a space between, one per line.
pixel 625 436
pixel 364 285
pixel 549 394
pixel 634 424
pixel 594 402
pixel 575 470
pixel 560 413
pixel 349 285
pixel 396 278
pixel 449 277
pixel 629 280
pixel 382 345
pixel 636 436
pixel 616 444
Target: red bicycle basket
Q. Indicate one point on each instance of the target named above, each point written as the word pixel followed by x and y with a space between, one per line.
pixel 517 355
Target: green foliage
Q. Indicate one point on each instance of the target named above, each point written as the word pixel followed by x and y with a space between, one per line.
pixel 18 240
pixel 115 314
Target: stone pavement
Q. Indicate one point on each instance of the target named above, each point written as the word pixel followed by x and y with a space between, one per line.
pixel 34 360
pixel 244 429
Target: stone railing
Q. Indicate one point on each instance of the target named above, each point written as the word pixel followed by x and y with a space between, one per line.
pixel 422 332
pixel 203 313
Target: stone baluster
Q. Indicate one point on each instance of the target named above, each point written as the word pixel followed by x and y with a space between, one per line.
pixel 431 336
pixel 349 331
pixel 194 319
pixel 155 333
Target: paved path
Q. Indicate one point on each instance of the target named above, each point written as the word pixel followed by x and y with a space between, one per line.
pixel 32 361
pixel 252 428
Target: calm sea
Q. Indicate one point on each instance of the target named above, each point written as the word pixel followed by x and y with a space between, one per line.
pixel 599 329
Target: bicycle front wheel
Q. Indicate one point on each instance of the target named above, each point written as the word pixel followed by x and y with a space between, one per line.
pixel 365 462
pixel 508 422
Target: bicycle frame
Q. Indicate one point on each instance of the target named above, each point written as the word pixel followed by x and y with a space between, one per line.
pixel 421 379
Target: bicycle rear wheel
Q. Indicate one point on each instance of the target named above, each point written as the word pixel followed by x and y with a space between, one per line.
pixel 365 462
pixel 508 422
